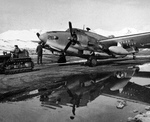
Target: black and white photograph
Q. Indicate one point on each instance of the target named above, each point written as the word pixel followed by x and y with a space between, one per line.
pixel 74 61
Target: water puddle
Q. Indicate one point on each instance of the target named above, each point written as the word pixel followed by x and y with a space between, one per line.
pixel 105 97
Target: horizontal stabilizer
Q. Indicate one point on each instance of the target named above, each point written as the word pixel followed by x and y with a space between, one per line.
pixel 35 41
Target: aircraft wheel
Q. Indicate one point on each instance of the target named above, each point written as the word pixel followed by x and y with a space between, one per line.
pixel 92 61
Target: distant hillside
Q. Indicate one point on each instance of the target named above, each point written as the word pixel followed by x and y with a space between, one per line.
pixel 125 31
pixel 8 45
pixel 21 38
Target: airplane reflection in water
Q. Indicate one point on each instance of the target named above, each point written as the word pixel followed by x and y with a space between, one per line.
pixel 79 90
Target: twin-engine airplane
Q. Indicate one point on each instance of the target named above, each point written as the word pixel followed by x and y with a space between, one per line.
pixel 86 44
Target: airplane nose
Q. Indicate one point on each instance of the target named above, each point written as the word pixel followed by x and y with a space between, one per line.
pixel 42 37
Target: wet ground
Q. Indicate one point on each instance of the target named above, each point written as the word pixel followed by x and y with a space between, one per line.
pixel 110 92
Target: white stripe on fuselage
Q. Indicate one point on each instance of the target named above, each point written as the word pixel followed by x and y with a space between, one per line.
pixel 55 48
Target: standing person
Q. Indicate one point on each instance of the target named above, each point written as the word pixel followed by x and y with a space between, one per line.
pixel 16 51
pixel 39 52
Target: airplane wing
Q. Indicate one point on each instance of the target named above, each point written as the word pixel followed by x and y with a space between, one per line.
pixel 139 39
pixel 119 45
pixel 131 92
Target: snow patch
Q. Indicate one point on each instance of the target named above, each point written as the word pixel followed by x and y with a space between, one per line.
pixel 145 67
pixel 125 31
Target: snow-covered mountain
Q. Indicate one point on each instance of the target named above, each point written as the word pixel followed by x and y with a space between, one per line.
pixel 21 34
pixel 21 38
pixel 125 31
pixel 28 35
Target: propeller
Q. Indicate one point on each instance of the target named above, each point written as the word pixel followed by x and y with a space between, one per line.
pixel 41 42
pixel 38 35
pixel 73 38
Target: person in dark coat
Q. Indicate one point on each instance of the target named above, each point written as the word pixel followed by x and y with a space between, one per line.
pixel 16 51
pixel 39 51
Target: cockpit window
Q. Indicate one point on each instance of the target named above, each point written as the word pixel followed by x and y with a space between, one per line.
pixel 75 30
pixel 52 37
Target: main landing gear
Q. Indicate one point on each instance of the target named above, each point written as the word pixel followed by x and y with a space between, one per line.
pixel 92 61
pixel 62 59
pixel 134 57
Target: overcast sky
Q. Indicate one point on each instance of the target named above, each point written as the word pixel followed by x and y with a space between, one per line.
pixel 111 15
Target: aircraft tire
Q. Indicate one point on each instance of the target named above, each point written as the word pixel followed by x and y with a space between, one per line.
pixel 134 57
pixel 92 61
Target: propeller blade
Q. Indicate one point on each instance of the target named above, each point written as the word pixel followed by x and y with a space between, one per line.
pixel 34 41
pixel 70 28
pixel 41 42
pixel 71 33
pixel 38 35
pixel 67 46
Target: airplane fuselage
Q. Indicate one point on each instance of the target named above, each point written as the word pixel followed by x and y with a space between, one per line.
pixel 83 43
pixel 59 39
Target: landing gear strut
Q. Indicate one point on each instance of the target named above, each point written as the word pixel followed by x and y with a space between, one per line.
pixel 62 59
pixel 134 57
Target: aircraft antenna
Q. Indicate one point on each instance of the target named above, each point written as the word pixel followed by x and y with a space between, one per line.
pixel 83 27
